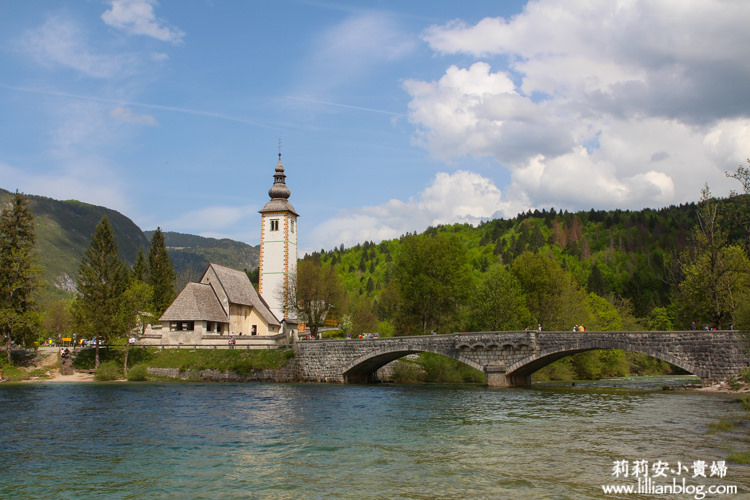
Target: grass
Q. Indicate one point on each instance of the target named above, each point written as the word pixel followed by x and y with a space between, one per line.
pixel 721 426
pixel 24 367
pixel 242 362
pixel 742 457
pixel 238 361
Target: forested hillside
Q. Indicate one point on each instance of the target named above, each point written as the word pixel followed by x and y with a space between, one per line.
pixel 603 269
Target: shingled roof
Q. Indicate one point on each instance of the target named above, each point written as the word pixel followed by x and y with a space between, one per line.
pixel 196 302
pixel 240 290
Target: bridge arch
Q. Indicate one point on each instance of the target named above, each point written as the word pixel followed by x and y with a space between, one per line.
pixel 520 371
pixel 364 368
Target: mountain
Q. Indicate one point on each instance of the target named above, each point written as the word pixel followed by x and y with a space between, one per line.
pixel 64 230
pixel 191 254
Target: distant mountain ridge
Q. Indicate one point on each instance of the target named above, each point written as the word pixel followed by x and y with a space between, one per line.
pixel 64 230
pixel 191 254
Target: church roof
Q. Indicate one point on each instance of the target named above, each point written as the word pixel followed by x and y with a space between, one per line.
pixel 196 302
pixel 240 291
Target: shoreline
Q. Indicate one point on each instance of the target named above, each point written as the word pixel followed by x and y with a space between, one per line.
pixel 80 377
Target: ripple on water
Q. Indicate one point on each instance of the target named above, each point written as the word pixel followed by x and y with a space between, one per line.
pixel 316 441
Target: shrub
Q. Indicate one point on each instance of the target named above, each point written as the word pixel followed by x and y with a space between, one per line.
pixel 407 372
pixel 109 370
pixel 138 373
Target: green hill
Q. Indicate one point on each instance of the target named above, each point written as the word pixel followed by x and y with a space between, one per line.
pixel 64 230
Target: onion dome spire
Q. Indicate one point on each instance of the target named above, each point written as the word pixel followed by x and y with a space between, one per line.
pixel 279 188
pixel 279 192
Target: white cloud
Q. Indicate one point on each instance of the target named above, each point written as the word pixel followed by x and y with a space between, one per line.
pixel 126 115
pixel 61 42
pixel 136 17
pixel 603 104
pixel 464 197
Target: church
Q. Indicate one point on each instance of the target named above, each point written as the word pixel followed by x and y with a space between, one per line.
pixel 224 305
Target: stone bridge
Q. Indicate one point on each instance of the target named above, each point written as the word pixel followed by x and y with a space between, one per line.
pixel 509 358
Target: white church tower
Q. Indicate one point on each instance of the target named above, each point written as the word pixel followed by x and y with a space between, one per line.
pixel 278 246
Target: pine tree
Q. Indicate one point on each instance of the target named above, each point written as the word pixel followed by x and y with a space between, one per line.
pixel 102 282
pixel 161 274
pixel 18 275
pixel 140 268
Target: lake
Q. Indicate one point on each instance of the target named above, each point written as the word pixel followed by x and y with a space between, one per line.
pixel 278 441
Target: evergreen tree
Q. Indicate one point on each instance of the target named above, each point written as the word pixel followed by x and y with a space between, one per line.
pixel 102 282
pixel 140 268
pixel 161 274
pixel 18 275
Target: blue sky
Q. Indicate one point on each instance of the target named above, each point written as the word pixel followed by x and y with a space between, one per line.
pixel 393 115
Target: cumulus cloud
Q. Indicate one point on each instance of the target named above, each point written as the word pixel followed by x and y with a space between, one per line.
pixel 136 17
pixel 126 115
pixel 603 104
pixel 464 197
pixel 60 42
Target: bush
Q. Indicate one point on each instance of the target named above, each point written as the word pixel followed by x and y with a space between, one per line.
pixel 109 370
pixel 442 369
pixel 138 373
pixel 407 372
pixel 561 370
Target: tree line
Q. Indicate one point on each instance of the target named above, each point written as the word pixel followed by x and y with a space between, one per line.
pixel 111 299
pixel 617 270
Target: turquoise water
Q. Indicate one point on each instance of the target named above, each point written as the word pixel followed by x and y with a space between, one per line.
pixel 180 440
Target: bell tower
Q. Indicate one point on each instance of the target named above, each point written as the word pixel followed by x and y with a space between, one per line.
pixel 278 246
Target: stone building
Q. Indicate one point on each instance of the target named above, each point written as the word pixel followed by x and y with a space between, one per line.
pixel 224 303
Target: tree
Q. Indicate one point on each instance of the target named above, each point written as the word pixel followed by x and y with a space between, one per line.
pixel 161 274
pixel 57 320
pixel 102 282
pixel 18 275
pixel 140 268
pixel 715 274
pixel 743 175
pixel 498 303
pixel 433 278
pixel 553 296
pixel 314 293
pixel 136 302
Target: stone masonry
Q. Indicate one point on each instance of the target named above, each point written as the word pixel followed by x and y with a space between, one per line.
pixel 509 358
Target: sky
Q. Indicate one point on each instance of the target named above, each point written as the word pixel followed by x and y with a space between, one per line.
pixel 390 116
